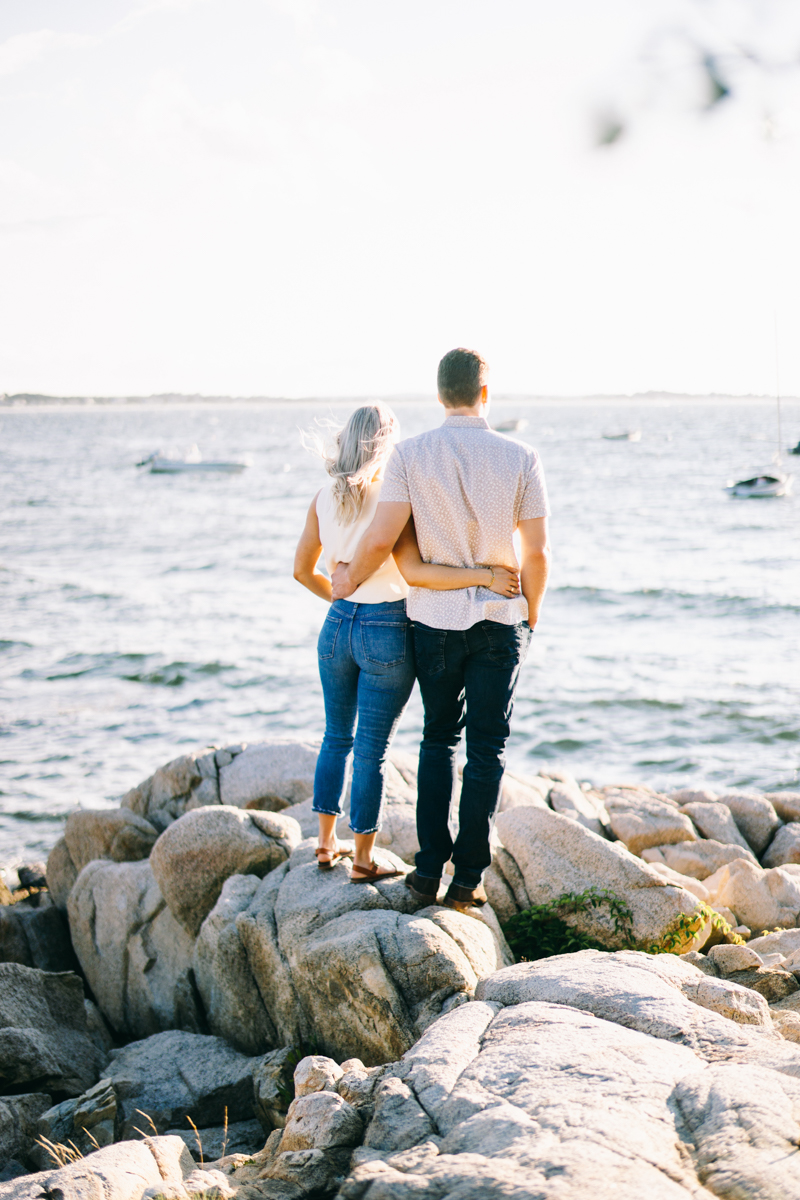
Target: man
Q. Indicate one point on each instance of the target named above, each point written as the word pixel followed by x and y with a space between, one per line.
pixel 468 489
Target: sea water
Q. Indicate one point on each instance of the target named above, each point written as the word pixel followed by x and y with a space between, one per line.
pixel 145 615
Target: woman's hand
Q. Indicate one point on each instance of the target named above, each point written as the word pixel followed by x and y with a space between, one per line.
pixel 505 582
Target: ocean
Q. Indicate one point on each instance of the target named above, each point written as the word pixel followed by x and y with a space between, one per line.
pixel 144 615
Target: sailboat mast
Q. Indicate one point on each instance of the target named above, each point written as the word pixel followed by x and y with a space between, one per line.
pixel 778 390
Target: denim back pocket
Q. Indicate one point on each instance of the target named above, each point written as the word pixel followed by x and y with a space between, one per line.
pixel 508 644
pixel 326 642
pixel 429 650
pixel 384 642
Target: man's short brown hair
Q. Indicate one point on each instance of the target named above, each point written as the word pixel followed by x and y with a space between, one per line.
pixel 462 373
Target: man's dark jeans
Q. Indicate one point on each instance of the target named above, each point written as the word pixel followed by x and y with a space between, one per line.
pixel 467 678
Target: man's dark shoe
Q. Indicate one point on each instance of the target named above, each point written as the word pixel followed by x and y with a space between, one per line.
pixel 422 888
pixel 463 897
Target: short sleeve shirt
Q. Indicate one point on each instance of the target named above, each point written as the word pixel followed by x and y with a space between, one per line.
pixel 469 488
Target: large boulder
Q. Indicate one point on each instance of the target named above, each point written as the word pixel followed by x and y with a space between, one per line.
pixel 196 854
pixel 760 899
pixel 18 1120
pixel 164 795
pixel 175 1075
pixel 784 847
pixel 715 821
pixel 500 1097
pixel 786 804
pixel 121 1172
pixel 61 874
pixel 269 775
pixel 570 800
pixel 755 816
pixel 698 859
pixel 360 970
pixel 233 1004
pixel 546 855
pixel 45 1042
pixel 641 818
pixel 118 834
pixel 136 957
pixel 36 936
pixel 86 1123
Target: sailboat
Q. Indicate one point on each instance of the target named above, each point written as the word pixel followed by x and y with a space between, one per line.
pixel 772 482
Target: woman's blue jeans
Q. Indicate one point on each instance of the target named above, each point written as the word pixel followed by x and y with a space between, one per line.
pixel 366 664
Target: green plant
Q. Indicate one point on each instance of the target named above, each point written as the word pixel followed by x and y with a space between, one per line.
pixel 296 1054
pixel 542 930
pixel 682 932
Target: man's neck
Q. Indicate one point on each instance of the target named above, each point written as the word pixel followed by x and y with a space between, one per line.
pixel 474 410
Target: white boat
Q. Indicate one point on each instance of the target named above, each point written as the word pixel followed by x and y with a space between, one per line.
pixel 160 464
pixel 511 426
pixel 630 435
pixel 760 486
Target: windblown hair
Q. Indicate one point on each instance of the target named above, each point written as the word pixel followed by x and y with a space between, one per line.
pixel 361 448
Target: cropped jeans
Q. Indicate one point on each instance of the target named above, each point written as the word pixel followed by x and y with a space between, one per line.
pixel 467 678
pixel 366 664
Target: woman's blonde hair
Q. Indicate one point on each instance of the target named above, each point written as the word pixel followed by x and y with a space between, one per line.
pixel 361 448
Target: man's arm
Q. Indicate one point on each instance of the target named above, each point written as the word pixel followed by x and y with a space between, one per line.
pixel 374 548
pixel 535 564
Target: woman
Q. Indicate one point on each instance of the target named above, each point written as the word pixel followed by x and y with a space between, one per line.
pixel 365 648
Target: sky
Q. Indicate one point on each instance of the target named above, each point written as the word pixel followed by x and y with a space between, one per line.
pixel 321 197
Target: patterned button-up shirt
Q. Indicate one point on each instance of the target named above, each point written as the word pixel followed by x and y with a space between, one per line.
pixel 469 488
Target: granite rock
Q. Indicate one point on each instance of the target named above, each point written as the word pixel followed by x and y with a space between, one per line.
pixel 18 1120
pixel 642 819
pixel 61 874
pixel 363 970
pixel 136 957
pixel 118 834
pixel 786 804
pixel 508 1106
pixel 45 1044
pixel 193 857
pixel 36 937
pixel 552 854
pixel 784 847
pixel 269 775
pixel 715 821
pixel 760 899
pixel 755 817
pixel 120 1172
pixel 233 1005
pixel 698 859
pixel 174 1075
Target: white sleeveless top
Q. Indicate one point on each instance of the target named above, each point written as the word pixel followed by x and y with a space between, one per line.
pixel 339 544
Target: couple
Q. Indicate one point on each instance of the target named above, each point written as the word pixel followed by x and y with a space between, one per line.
pixel 419 538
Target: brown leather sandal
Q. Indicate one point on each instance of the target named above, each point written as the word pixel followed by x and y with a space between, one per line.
pixel 372 874
pixel 335 856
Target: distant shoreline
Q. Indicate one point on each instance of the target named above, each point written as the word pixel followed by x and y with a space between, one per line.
pixel 22 401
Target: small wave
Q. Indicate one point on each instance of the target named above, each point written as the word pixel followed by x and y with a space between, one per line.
pixel 9 645
pixel 754 605
pixel 150 669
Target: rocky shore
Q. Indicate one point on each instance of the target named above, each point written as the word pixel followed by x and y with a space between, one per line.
pixel 189 1007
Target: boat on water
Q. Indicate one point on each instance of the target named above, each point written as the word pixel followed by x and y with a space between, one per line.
pixel 160 464
pixel 628 435
pixel 511 426
pixel 760 486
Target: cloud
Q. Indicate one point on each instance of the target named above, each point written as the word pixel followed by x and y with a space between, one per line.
pixel 23 49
